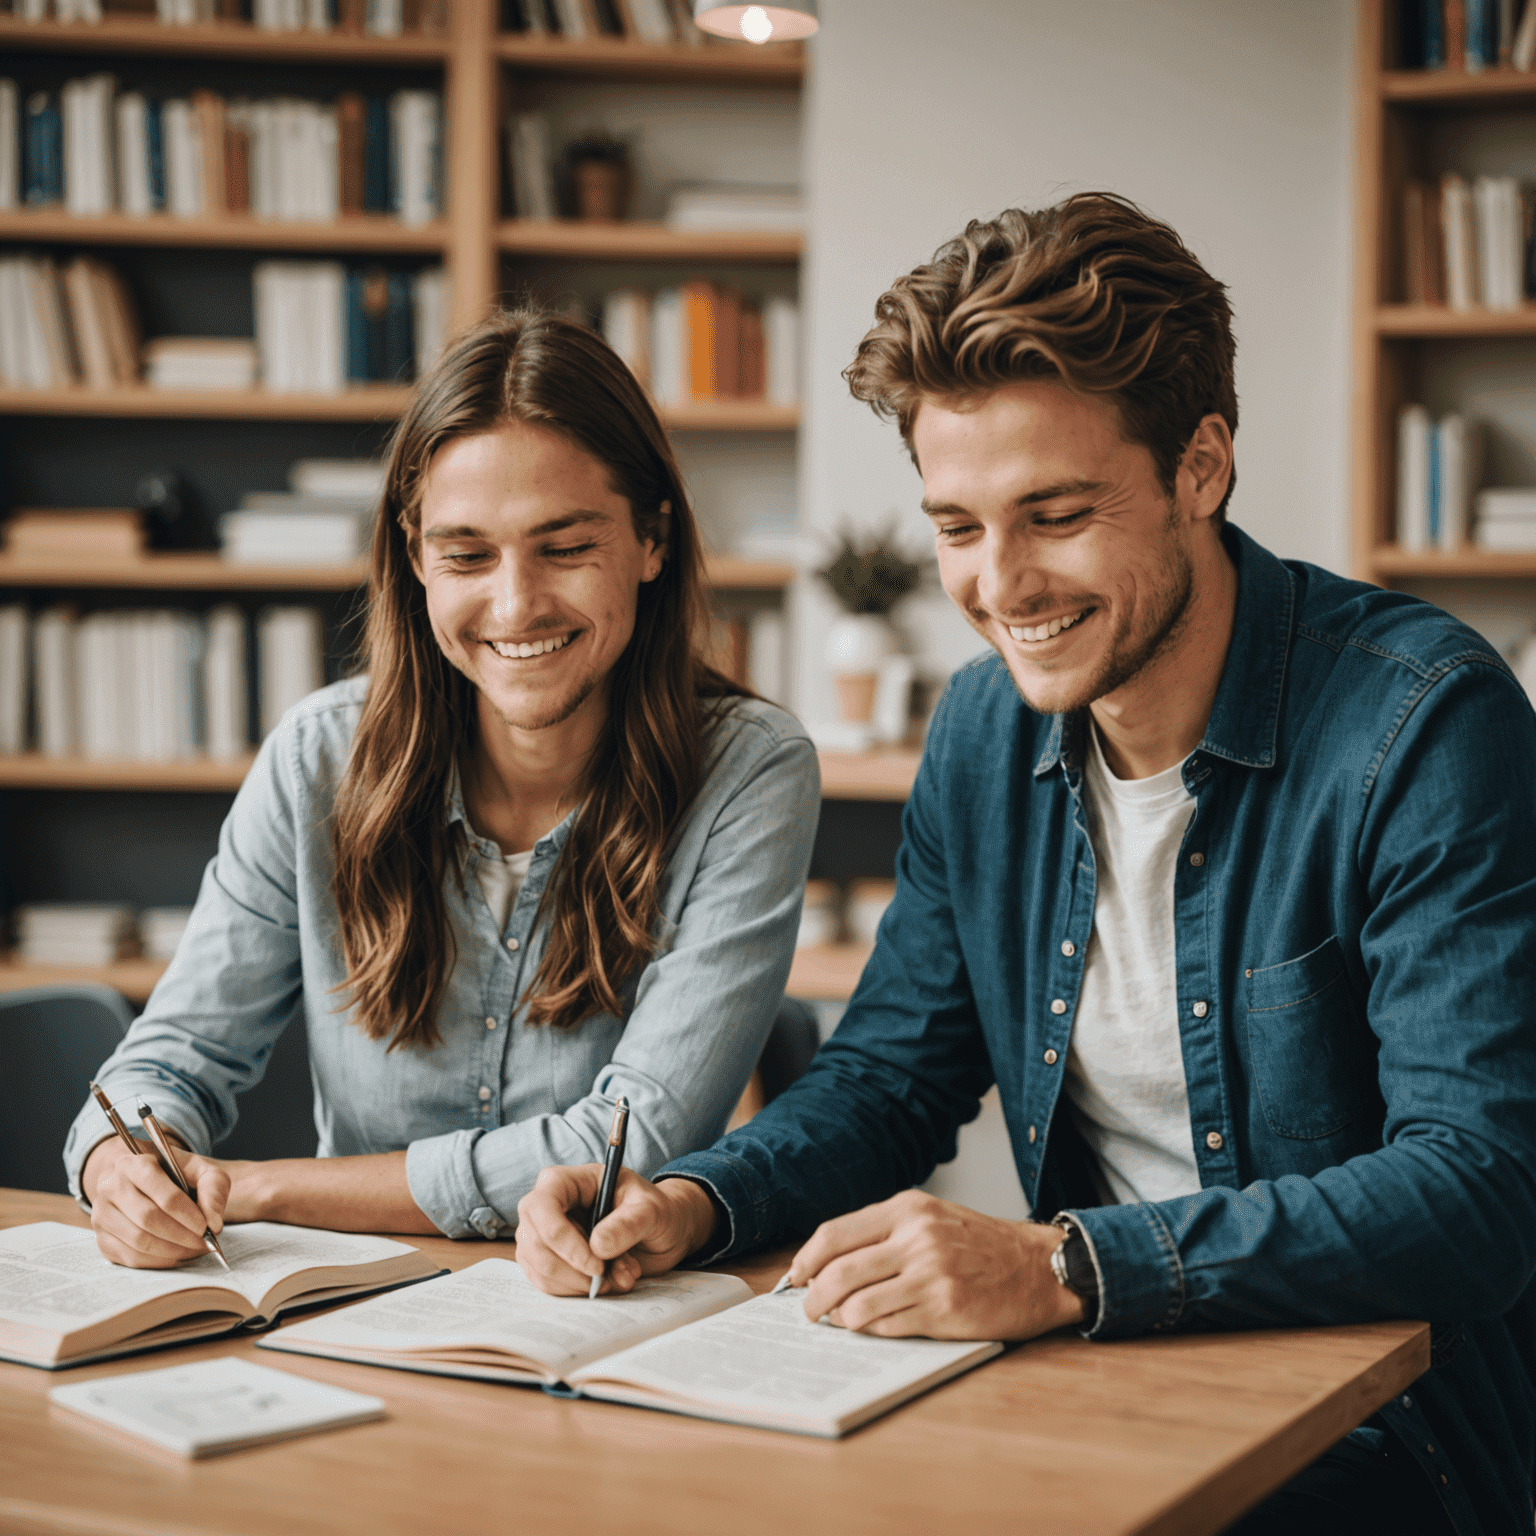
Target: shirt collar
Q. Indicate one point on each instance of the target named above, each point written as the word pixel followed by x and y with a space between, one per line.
pixel 1245 719
pixel 453 811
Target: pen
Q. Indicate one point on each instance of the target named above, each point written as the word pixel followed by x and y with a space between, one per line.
pixel 611 1165
pixel 783 1284
pixel 162 1155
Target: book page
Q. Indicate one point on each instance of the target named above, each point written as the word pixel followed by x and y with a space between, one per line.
pixel 262 1254
pixel 767 1360
pixel 54 1277
pixel 493 1305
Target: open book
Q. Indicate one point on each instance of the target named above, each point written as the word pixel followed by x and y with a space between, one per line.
pixel 62 1303
pixel 690 1343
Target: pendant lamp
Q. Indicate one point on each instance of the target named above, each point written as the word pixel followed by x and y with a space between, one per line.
pixel 781 22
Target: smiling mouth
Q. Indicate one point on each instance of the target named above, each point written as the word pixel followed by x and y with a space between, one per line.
pixel 1033 634
pixel 519 650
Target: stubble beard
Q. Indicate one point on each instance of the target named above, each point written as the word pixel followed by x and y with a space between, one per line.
pixel 557 713
pixel 1127 655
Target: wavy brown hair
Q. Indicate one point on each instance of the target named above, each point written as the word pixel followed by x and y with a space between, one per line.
pixel 393 847
pixel 1092 291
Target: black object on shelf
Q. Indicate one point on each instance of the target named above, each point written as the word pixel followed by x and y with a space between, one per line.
pixel 173 517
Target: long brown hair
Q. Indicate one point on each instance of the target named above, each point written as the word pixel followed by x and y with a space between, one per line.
pixel 393 847
pixel 1092 291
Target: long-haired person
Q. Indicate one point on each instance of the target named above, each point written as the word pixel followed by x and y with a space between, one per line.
pixel 540 855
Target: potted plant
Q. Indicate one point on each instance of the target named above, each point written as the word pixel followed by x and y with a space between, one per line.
pixel 868 577
pixel 598 163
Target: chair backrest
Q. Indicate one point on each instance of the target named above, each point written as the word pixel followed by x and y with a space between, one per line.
pixel 53 1041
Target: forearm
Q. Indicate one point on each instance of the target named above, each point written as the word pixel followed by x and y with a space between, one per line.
pixel 346 1194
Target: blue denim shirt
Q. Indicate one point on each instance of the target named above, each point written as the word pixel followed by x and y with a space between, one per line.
pixel 482 1112
pixel 1355 925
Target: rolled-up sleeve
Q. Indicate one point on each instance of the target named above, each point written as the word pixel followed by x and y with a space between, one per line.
pixel 702 1007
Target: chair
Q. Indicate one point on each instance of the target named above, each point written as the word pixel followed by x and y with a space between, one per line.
pixel 53 1040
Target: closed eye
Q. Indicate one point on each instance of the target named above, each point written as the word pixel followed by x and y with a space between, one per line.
pixel 566 551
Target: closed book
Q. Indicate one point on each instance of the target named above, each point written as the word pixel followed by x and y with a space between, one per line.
pixel 15 635
pixel 237 166
pixel 10 146
pixel 132 156
pixel 357 326
pixel 120 317
pixel 1455 456
pixel 154 151
pixel 360 481
pixel 208 109
pixel 532 166
pixel 1413 433
pixel 53 320
pixel 781 329
pixel 727 341
pixel 1524 51
pixel 289 660
pixel 1455 35
pixel 1459 222
pixel 753 380
pixel 224 684
pixel 53 685
pixel 376 155
pixel 1508 538
pixel 414 155
pixel 183 160
pixel 669 350
pixel 43 158
pixel 651 20
pixel 1506 504
pixel 699 305
pixel 351 151
pixel 105 533
pixel 399 330
pixel 429 300
pixel 87 324
pixel 626 324
pixel 1474 39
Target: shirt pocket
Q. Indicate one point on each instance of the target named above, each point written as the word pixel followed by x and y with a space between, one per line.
pixel 1309 1049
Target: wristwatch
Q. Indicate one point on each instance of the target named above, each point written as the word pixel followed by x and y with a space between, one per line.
pixel 1072 1264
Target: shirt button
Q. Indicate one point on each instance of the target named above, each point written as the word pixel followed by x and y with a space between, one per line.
pixel 1057 1006
pixel 1407 1401
pixel 1201 1009
pixel 1031 1134
pixel 485 1093
pixel 1068 948
pixel 1213 1141
pixel 1197 859
pixel 512 945
pixel 1050 1058
pixel 490 1023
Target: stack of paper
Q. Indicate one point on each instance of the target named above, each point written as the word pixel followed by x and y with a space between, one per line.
pixel 771 210
pixel 359 480
pixel 1506 519
pixel 200 362
pixel 276 529
pixel 160 930
pixel 74 933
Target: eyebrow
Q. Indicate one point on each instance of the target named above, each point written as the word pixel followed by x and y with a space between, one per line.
pixel 553 525
pixel 1077 487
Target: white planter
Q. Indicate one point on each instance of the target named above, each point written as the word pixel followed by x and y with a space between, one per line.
pixel 857 644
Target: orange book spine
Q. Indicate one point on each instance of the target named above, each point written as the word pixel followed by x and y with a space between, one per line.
pixel 351 150
pixel 699 304
pixel 753 382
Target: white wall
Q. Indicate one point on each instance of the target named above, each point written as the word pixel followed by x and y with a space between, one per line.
pixel 1228 118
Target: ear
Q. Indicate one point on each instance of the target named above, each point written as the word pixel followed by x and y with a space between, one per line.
pixel 656 549
pixel 413 554
pixel 1205 471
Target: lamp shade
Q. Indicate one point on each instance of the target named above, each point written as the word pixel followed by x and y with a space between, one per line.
pixel 781 22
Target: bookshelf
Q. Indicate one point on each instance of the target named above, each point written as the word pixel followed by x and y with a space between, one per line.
pixel 1413 124
pixel 364 234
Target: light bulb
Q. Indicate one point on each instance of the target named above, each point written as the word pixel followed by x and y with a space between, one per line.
pixel 756 26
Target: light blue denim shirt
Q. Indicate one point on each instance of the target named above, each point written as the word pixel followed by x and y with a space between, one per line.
pixel 479 1114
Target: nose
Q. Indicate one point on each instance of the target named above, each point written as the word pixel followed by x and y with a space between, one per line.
pixel 517 595
pixel 1007 578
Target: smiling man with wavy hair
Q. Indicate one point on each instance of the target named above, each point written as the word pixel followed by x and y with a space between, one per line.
pixel 1221 867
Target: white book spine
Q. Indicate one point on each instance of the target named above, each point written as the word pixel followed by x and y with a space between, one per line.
pixel 1413 431
pixel 627 329
pixel 329 281
pixel 132 156
pixel 15 632
pixel 1525 40
pixel 1460 243
pixel 289 660
pixel 10 147
pixel 1457 470
pixel 781 342
pixel 54 682
pixel 429 302
pixel 14 371
pixel 669 354
pixel 181 147
pixel 533 183
pixel 224 686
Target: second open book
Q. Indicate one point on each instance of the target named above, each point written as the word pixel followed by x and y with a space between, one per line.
pixel 692 1343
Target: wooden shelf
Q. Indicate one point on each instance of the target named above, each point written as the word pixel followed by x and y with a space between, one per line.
pixel 368 233
pixel 222 40
pixel 1453 87
pixel 731 416
pixel 135 979
pixel 743 64
pixel 1410 321
pixel 880 775
pixel 374 402
pixel 827 972
pixel 177 573
pixel 730 573
pixel 31 770
pixel 1516 565
pixel 634 240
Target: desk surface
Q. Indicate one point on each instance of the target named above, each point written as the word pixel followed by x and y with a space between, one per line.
pixel 1149 1435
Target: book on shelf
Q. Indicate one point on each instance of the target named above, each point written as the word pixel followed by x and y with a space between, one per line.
pixel 776 210
pixel 226 708
pixel 359 480
pixel 1463 35
pixel 271 528
pixel 290 660
pixel 14 663
pixel 161 930
pixel 1468 245
pixel 1439 464
pixel 706 341
pixel 87 533
pixel 67 1305
pixel 59 326
pixel 530 167
pixel 10 147
pixel 74 934
pixel 371 18
pixel 696 1344
pixel 1505 520
pixel 200 362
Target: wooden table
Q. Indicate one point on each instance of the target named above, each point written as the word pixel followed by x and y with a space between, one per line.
pixel 1150 1435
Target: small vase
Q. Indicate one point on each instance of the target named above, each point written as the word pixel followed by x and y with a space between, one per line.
pixel 856 645
pixel 599 190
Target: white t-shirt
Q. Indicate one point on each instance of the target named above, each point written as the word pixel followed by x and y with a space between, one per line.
pixel 501 879
pixel 1125 1067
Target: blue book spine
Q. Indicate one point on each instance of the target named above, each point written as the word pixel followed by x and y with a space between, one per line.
pixel 1434 35
pixel 1436 496
pixel 357 328
pixel 1477 31
pixel 45 151
pixel 154 153
pixel 399 331
pixel 376 156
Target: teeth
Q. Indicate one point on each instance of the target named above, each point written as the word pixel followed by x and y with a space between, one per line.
pixel 523 648
pixel 1037 632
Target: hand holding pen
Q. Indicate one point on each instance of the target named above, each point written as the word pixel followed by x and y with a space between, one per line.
pixel 162 1153
pixel 612 1162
